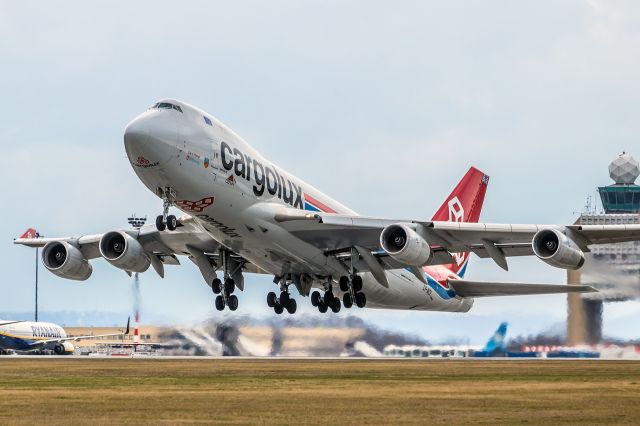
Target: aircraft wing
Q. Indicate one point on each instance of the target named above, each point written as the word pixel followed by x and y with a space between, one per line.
pixel 335 233
pixel 466 288
pixel 162 247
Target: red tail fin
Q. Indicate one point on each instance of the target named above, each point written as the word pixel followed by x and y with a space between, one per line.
pixel 464 205
pixel 30 233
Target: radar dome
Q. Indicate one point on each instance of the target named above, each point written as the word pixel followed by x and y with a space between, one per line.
pixel 624 169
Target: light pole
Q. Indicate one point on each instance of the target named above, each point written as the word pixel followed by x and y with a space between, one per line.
pixel 36 284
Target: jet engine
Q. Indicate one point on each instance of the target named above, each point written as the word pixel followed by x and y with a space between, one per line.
pixel 66 261
pixel 63 348
pixel 404 245
pixel 556 249
pixel 124 252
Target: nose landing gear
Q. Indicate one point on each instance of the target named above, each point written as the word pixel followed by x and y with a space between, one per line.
pixel 166 220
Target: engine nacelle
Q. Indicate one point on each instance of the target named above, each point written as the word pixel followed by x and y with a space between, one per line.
pixel 404 245
pixel 64 348
pixel 124 252
pixel 556 249
pixel 66 261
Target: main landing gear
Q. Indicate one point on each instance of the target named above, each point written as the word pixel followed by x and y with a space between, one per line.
pixel 166 220
pixel 285 301
pixel 224 291
pixel 353 291
pixel 326 302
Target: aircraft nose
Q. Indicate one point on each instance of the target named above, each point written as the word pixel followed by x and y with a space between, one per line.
pixel 136 133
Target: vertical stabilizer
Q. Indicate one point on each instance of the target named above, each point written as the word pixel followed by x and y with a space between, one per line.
pixel 464 205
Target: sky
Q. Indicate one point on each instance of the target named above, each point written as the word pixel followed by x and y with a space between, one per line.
pixel 382 105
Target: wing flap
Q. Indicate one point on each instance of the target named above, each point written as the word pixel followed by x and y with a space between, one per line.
pixel 466 288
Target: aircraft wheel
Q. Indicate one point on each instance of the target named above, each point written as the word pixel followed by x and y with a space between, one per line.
pixel 172 222
pixel 344 283
pixel 315 298
pixel 233 302
pixel 160 225
pixel 216 286
pixel 292 306
pixel 271 299
pixel 322 307
pixel 336 305
pixel 284 298
pixel 229 285
pixel 278 309
pixel 361 300
pixel 346 301
pixel 328 298
pixel 357 283
pixel 219 303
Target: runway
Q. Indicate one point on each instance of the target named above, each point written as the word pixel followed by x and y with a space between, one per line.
pixel 302 390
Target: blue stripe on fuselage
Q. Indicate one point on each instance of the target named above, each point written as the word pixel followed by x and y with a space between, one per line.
pixel 17 343
pixel 310 207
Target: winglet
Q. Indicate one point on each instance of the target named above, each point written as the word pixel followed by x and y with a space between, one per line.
pixel 126 332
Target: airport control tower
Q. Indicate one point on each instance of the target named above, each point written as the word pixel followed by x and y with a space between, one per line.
pixel 614 269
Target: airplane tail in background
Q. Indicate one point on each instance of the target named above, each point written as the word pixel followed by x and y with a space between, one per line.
pixel 464 205
pixel 497 342
pixel 30 233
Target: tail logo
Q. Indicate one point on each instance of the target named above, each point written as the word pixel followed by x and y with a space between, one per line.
pixel 456 211
pixel 456 214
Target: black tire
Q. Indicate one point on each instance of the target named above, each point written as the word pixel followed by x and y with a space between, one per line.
pixel 160 225
pixel 322 307
pixel 336 305
pixel 344 283
pixel 271 299
pixel 172 222
pixel 292 306
pixel 357 283
pixel 229 285
pixel 361 300
pixel 284 298
pixel 328 298
pixel 232 301
pixel 219 303
pixel 315 298
pixel 216 286
pixel 346 301
pixel 278 309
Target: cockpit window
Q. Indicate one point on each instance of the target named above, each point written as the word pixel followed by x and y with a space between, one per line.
pixel 167 105
pixel 207 120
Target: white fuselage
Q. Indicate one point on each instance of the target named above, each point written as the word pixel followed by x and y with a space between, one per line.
pixel 21 335
pixel 234 192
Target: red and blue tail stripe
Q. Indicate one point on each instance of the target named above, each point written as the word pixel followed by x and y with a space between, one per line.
pixel 314 205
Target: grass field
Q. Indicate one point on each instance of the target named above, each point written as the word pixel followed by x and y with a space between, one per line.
pixel 80 390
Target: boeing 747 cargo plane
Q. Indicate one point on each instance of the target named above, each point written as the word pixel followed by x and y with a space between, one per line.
pixel 242 213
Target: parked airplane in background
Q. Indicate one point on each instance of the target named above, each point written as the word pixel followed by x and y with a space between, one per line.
pixel 496 345
pixel 245 214
pixel 43 337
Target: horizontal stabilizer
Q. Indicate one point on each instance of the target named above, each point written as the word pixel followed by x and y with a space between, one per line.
pixel 466 288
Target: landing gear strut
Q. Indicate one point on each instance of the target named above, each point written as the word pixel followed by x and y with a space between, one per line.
pixel 224 291
pixel 166 220
pixel 285 301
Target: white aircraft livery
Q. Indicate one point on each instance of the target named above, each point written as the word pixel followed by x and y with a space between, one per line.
pixel 243 213
pixel 29 336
